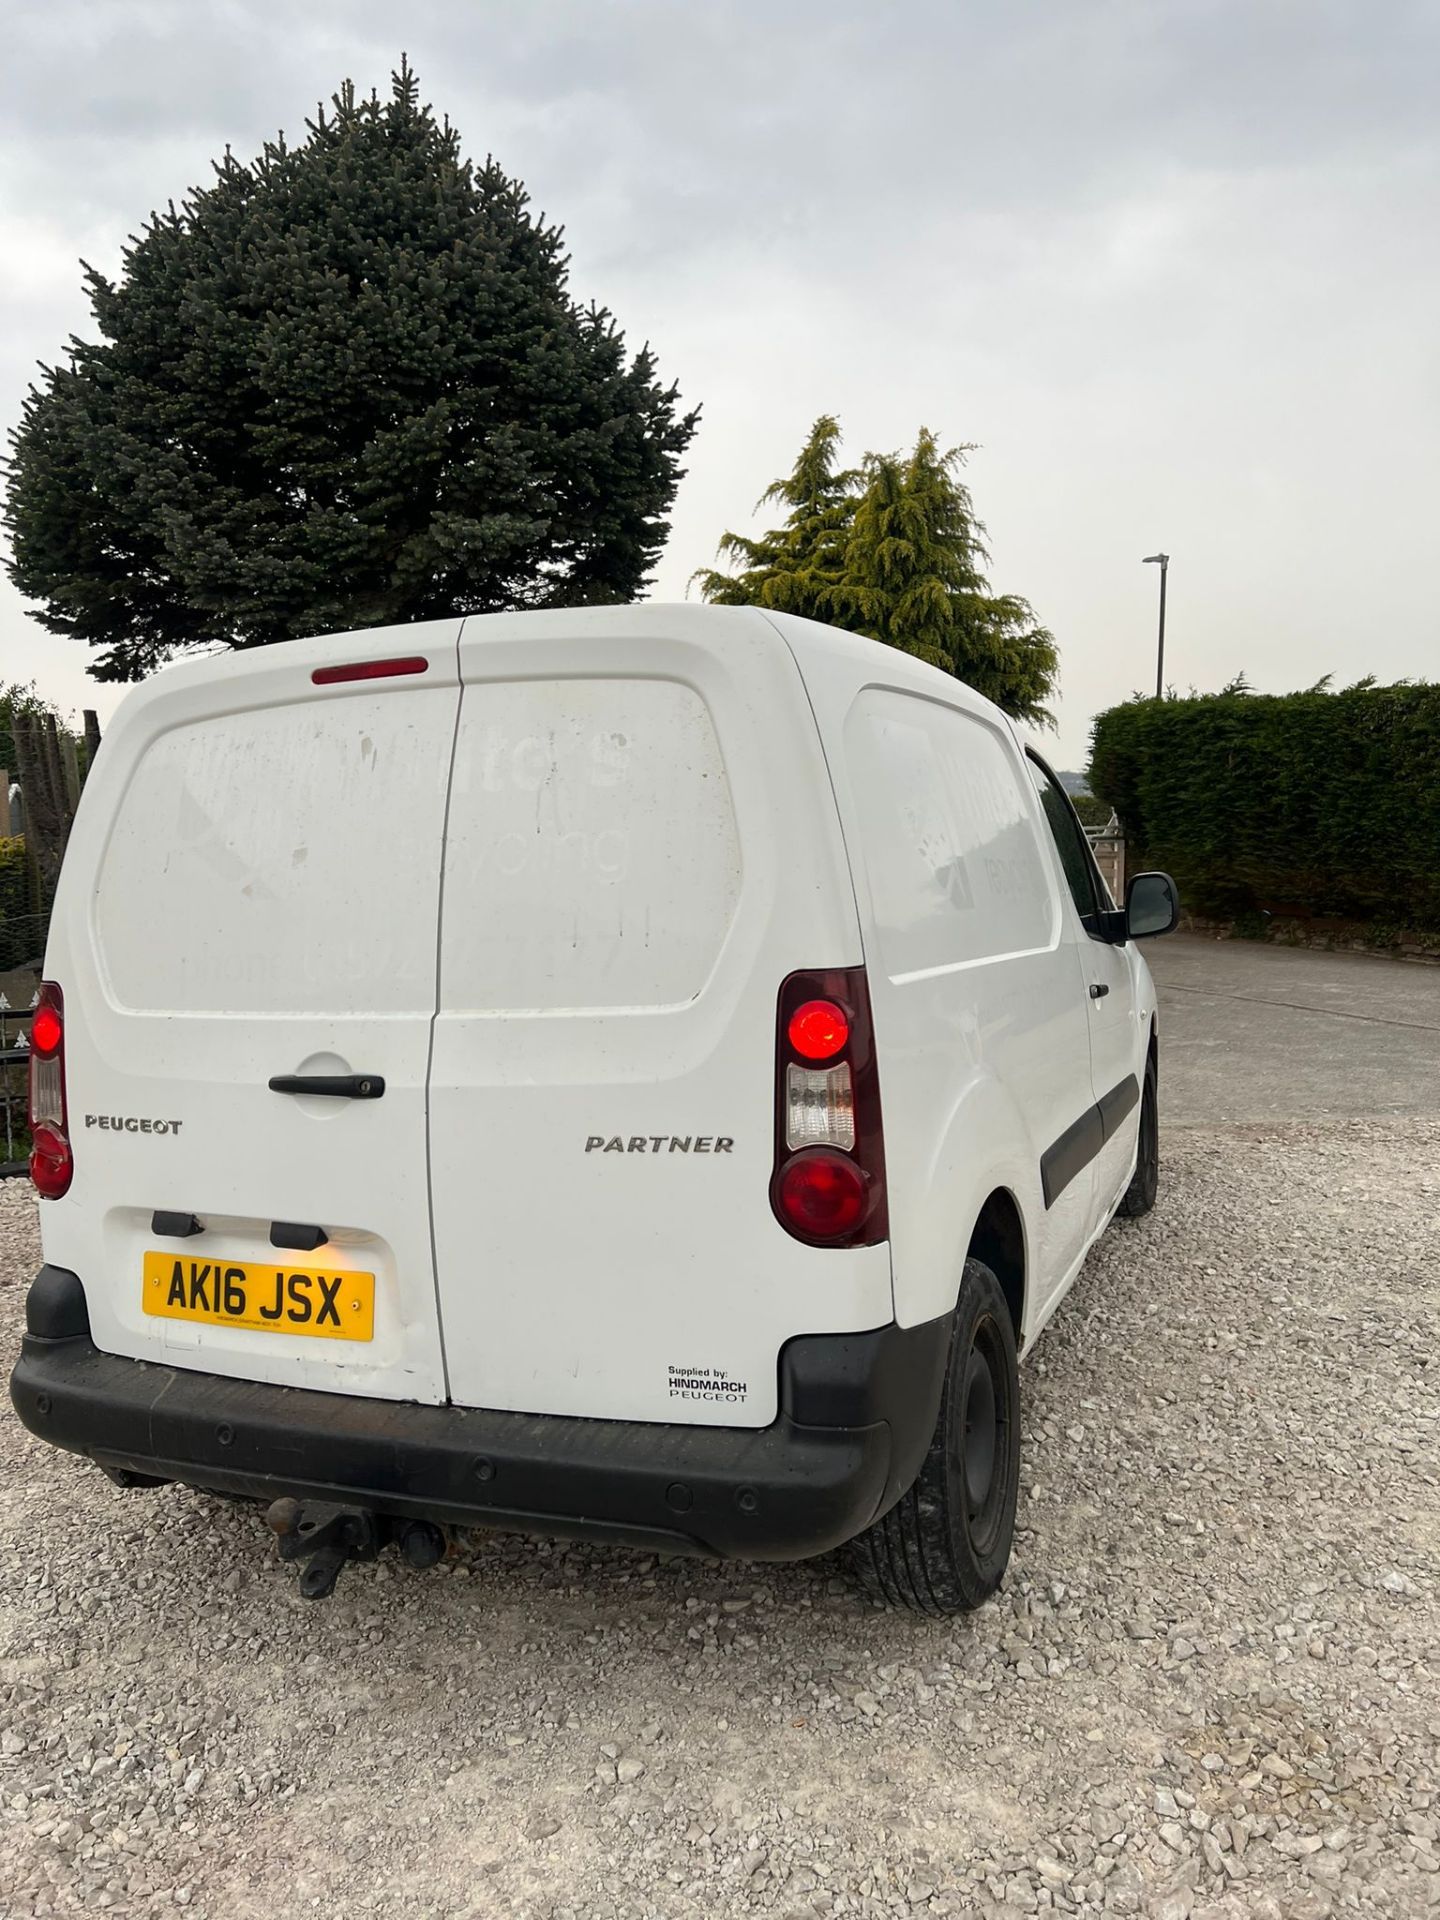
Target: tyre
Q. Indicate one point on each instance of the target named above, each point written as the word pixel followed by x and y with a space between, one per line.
pixel 1140 1194
pixel 943 1547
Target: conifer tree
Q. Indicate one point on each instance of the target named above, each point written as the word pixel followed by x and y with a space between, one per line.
pixel 1001 650
pixel 894 550
pixel 913 554
pixel 797 567
pixel 344 385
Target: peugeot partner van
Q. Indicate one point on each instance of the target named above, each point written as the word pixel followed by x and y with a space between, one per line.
pixel 639 1073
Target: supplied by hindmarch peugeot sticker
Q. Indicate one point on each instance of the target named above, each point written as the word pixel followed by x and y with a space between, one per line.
pixel 707 1383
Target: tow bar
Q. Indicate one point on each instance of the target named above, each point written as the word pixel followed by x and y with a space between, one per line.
pixel 329 1537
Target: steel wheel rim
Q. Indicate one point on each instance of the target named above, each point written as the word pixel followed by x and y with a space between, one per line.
pixel 1150 1145
pixel 984 1437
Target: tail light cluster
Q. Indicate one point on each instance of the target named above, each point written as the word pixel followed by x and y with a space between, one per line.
pixel 828 1187
pixel 51 1164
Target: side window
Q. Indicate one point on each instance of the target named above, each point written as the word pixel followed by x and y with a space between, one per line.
pixel 956 863
pixel 1070 843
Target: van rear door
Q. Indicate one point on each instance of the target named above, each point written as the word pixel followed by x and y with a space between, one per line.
pixel 252 892
pixel 642 845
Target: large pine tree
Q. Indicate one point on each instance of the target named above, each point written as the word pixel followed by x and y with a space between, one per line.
pixel 344 385
pixel 894 550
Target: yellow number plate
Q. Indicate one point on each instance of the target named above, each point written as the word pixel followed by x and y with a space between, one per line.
pixel 268 1298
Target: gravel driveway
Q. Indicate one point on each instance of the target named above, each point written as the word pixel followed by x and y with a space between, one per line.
pixel 1209 1687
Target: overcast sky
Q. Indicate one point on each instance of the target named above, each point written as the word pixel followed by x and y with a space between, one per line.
pixel 1174 265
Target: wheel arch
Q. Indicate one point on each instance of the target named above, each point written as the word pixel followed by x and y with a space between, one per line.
pixel 998 1239
pixel 983 1148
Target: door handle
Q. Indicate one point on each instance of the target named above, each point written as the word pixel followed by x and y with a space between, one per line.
pixel 1098 991
pixel 336 1086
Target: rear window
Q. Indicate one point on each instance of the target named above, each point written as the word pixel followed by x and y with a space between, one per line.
pixel 285 859
pixel 592 858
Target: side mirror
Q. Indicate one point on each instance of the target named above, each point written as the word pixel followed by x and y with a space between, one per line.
pixel 1152 905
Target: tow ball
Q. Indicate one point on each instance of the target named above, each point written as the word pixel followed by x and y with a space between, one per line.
pixel 328 1537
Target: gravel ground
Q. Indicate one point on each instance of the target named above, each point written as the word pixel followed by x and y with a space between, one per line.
pixel 1208 1689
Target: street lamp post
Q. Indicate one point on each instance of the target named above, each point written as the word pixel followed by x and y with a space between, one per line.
pixel 1162 560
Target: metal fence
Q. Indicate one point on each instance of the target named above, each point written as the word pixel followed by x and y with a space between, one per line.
pixel 22 944
pixel 1108 845
pixel 14 1082
pixel 22 940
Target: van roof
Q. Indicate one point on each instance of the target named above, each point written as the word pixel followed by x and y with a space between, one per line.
pixel 812 642
pixel 871 659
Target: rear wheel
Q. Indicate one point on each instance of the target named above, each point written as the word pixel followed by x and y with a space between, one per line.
pixel 943 1547
pixel 1140 1194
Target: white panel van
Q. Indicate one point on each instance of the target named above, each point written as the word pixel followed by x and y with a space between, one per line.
pixel 639 1072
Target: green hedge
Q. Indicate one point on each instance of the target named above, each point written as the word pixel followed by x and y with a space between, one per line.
pixel 1313 804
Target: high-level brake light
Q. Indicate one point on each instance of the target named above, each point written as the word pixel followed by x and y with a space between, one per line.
pixel 369 670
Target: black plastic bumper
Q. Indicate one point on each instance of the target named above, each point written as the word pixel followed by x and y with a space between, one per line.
pixel 857 1413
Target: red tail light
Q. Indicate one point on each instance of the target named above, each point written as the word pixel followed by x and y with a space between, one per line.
pixel 822 1193
pixel 828 1187
pixel 47 1030
pixel 51 1164
pixel 818 1030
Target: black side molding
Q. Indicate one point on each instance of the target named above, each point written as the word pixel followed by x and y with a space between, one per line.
pixel 1117 1103
pixel 1083 1138
pixel 335 1086
pixel 1071 1154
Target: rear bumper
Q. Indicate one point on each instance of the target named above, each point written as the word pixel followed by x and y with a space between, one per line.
pixel 857 1413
